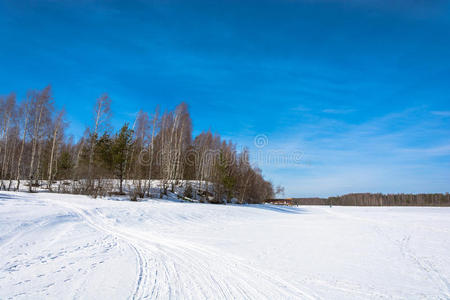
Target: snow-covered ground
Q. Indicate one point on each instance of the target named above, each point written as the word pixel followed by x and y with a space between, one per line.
pixel 66 246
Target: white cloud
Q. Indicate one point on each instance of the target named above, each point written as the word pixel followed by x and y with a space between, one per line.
pixel 444 113
pixel 337 111
pixel 398 152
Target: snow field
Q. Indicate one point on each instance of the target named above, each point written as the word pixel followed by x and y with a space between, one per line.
pixel 71 246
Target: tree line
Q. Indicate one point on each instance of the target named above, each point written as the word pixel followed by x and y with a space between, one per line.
pixel 378 199
pixel 156 149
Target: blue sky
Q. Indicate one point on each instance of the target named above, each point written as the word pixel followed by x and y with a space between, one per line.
pixel 361 88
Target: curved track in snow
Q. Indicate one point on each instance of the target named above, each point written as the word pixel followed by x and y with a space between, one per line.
pixel 75 247
pixel 173 269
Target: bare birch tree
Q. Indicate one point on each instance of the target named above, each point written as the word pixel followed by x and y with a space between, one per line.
pixel 58 125
pixel 102 115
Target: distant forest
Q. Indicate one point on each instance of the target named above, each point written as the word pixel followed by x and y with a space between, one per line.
pixel 36 152
pixel 368 199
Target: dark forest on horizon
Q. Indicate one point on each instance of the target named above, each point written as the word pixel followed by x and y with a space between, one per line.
pixel 377 199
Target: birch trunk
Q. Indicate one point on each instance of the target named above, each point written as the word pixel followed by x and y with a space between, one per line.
pixel 93 138
pixel 152 152
pixel 54 145
pixel 37 124
pixel 5 134
pixel 27 116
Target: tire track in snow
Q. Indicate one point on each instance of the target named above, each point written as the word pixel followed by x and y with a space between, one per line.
pixel 142 261
pixel 423 265
pixel 142 276
pixel 185 270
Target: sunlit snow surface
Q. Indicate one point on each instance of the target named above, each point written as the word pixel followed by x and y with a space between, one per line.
pixel 66 246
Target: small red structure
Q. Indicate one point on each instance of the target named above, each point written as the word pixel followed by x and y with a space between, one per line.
pixel 287 201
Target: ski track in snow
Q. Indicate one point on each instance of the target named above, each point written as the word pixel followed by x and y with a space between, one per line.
pixel 167 258
pixel 423 264
pixel 195 251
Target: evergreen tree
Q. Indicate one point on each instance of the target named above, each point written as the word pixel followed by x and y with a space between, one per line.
pixel 119 152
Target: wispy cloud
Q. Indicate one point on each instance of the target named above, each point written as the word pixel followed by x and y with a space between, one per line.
pixel 301 108
pixel 443 150
pixel 397 152
pixel 444 113
pixel 338 111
